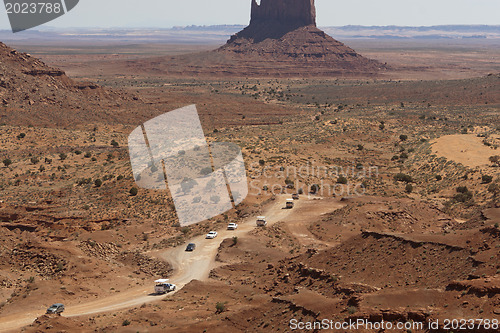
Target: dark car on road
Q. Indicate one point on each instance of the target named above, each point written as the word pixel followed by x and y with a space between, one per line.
pixel 191 247
pixel 55 308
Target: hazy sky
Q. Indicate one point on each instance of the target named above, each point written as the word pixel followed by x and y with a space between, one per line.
pixel 168 13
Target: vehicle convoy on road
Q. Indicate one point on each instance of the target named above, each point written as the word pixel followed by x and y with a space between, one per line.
pixel 162 286
pixel 232 226
pixel 55 308
pixel 190 247
pixel 261 221
pixel 211 235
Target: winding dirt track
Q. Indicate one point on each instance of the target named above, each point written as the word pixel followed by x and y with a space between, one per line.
pixel 187 266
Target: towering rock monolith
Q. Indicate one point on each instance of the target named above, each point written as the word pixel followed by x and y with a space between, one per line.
pixel 284 31
pixel 295 13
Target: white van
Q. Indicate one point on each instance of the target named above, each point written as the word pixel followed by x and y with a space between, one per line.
pixel 261 221
pixel 162 286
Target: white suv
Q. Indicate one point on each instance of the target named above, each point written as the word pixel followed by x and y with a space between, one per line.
pixel 211 235
pixel 232 226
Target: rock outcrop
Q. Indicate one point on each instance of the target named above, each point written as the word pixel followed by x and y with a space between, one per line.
pixel 34 93
pixel 285 32
pixel 273 19
pixel 282 40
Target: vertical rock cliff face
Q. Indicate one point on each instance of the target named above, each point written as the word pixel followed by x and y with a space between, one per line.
pixel 287 12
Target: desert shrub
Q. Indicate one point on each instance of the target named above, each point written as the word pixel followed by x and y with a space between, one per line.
pixel 35 160
pixel 494 188
pixel 401 177
pixel 342 180
pixel 487 179
pixel 235 240
pixel 87 155
pixel 439 177
pixel 351 310
pixel 206 171
pixel 78 152
pixel 84 181
pixel 134 191
pixel 495 160
pixel 98 183
pixel 262 162
pixel 463 195
pixel 188 184
pixel 62 156
pixel 403 137
pixel 114 143
pixel 41 168
pixel 21 136
pixel 315 188
pixel 403 156
pixel 409 188
pixel 120 177
pixel 300 191
pixel 220 307
pixel 395 158
pixel 361 147
pixel 126 322
pixel 60 266
pixel 7 162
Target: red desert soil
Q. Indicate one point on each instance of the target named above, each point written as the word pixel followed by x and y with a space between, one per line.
pixel 421 244
pixel 467 149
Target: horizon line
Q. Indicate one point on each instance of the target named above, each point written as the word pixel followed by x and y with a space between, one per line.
pixel 243 25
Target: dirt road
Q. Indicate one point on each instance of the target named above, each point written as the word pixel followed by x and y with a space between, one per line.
pixel 187 265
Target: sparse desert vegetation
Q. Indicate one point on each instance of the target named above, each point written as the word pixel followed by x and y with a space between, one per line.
pixel 398 216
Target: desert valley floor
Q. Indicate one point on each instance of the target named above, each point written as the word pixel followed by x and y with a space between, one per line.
pixel 414 239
